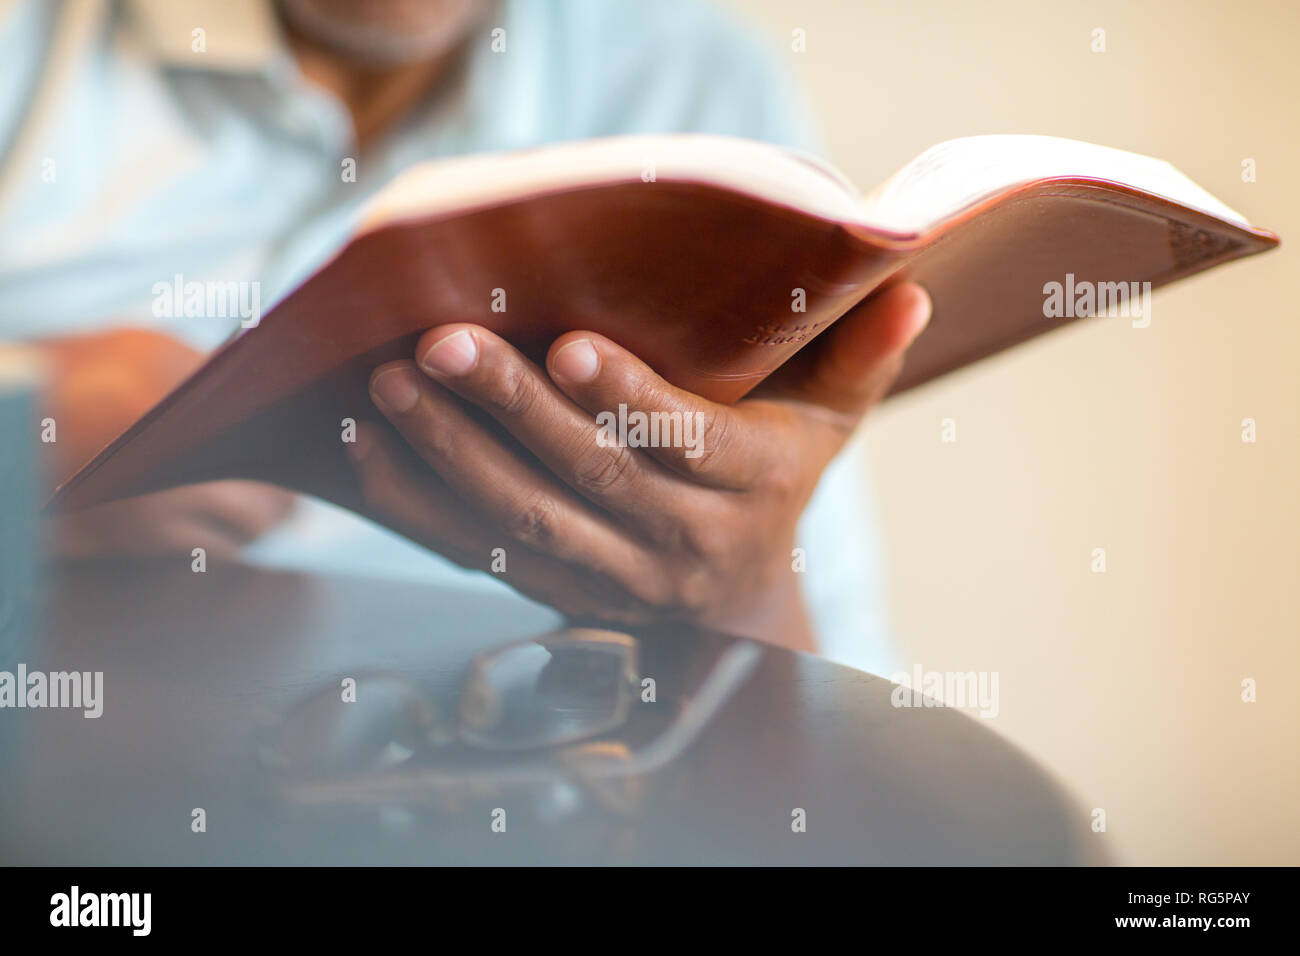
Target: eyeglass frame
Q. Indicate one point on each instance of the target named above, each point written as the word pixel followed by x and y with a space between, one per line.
pixel 589 762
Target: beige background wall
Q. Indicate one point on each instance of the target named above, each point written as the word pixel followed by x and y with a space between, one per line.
pixel 1127 684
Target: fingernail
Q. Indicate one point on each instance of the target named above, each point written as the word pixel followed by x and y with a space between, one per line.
pixel 453 355
pixel 577 361
pixel 396 389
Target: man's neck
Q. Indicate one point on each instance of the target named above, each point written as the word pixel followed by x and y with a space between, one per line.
pixel 378 98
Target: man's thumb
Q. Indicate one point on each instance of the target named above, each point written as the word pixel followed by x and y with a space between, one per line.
pixel 861 355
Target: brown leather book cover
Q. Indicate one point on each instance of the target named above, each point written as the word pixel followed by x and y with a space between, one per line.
pixel 696 277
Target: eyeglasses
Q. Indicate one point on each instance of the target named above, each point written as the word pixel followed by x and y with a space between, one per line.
pixel 534 712
pixel 534 694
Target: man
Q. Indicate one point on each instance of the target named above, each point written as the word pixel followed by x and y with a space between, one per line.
pixel 145 139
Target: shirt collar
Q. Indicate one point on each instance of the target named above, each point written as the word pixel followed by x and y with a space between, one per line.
pixel 239 36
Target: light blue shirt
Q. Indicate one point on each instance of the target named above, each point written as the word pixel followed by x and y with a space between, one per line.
pixel 129 156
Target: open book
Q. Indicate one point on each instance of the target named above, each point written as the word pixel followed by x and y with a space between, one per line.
pixel 714 259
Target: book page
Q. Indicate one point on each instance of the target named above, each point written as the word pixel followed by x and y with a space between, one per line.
pixel 773 173
pixel 954 175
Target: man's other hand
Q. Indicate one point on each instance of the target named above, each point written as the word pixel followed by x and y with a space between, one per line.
pixel 99 384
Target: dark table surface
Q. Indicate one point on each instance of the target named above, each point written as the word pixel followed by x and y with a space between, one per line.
pixel 197 667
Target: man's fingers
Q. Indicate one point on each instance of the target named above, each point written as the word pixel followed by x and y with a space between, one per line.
pixel 161 524
pixel 431 513
pixel 220 517
pixel 529 506
pixel 247 508
pixel 715 445
pixel 425 510
pixel 855 362
pixel 490 373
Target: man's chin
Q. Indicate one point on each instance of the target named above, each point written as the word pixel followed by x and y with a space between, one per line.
pixel 384 34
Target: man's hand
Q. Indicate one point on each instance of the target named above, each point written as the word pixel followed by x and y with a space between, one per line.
pixel 219 516
pixel 99 384
pixel 499 453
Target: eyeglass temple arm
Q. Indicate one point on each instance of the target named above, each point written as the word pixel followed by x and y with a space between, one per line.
pixel 731 670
